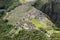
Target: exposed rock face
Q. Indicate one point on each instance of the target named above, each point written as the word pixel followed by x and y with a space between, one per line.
pixel 56 0
pixel 52 9
pixel 39 3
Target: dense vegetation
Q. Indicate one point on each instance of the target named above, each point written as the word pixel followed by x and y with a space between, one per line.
pixel 8 4
pixel 2 14
pixel 4 28
pixel 28 35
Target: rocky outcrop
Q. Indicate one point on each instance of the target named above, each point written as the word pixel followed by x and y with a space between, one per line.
pixel 51 8
pixel 53 11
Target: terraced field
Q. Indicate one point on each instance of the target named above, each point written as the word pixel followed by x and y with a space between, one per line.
pixel 18 13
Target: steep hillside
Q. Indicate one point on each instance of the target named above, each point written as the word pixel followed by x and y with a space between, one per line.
pixel 51 8
pixel 30 20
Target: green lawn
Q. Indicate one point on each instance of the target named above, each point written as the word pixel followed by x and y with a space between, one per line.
pixel 37 23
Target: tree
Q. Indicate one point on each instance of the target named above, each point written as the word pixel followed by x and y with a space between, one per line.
pixel 9 4
pixel 31 35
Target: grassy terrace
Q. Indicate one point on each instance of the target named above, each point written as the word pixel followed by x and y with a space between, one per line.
pixel 44 26
pixel 37 23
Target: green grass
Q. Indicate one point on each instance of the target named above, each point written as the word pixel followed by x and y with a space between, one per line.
pixel 37 23
pixel 40 25
pixel 54 31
